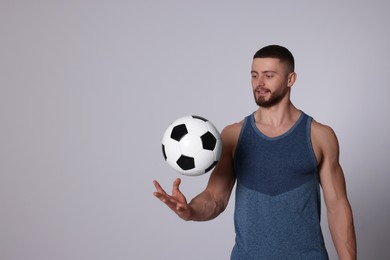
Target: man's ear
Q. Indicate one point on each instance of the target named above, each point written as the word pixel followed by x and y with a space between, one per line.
pixel 291 79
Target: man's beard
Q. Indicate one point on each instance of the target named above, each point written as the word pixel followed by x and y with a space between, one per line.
pixel 274 99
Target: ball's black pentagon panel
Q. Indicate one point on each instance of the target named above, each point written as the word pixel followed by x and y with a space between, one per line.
pixel 208 141
pixel 178 132
pixel 186 162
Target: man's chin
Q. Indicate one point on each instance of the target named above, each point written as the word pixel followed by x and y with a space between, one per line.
pixel 263 103
pixel 267 103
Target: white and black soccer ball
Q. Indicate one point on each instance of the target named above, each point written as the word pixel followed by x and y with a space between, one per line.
pixel 192 145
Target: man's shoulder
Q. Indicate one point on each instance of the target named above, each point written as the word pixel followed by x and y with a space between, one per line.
pixel 234 126
pixel 323 137
pixel 231 133
pixel 320 129
pixel 233 129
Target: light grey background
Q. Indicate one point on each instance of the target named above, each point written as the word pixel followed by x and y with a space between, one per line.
pixel 87 89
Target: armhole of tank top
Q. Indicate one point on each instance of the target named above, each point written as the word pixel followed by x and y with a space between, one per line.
pixel 239 137
pixel 314 159
pixel 309 143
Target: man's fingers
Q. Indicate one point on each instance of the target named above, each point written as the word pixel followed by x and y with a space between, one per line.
pixel 171 202
pixel 159 188
pixel 176 185
pixel 165 198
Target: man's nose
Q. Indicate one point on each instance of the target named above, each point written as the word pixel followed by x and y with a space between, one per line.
pixel 260 81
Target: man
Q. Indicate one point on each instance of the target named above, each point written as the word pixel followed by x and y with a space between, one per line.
pixel 279 157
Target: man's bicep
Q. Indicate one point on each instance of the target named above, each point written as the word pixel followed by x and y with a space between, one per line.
pixel 222 179
pixel 331 172
pixel 333 184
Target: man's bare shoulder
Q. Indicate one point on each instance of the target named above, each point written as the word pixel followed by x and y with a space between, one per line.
pixel 235 126
pixel 231 133
pixel 320 130
pixel 232 130
pixel 324 139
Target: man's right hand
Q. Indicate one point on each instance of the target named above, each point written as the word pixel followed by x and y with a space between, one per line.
pixel 176 202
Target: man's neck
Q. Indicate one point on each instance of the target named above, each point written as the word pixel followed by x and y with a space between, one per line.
pixel 277 116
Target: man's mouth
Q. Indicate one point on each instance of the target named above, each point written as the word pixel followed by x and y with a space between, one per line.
pixel 262 91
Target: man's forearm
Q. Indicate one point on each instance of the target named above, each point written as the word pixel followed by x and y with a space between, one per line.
pixel 205 207
pixel 342 230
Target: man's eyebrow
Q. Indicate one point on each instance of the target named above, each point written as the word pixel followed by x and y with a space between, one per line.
pixel 269 71
pixel 263 72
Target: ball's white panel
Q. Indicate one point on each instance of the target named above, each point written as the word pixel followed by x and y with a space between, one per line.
pixel 190 145
pixel 196 126
pixel 193 172
pixel 204 159
pixel 213 130
pixel 172 149
pixel 218 150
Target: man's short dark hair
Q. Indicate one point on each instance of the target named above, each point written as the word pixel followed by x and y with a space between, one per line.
pixel 277 52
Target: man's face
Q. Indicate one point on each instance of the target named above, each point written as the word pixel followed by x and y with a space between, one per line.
pixel 270 81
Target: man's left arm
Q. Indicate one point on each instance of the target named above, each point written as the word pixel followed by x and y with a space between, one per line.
pixel 332 179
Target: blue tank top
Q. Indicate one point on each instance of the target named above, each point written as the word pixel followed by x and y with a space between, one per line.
pixel 278 203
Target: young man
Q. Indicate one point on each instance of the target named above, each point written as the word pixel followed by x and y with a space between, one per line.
pixel 279 157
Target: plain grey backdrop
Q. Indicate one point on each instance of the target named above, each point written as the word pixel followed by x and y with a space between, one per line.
pixel 87 89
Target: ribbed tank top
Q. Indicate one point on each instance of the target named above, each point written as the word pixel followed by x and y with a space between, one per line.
pixel 278 203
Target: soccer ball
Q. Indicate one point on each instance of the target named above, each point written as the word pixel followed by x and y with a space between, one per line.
pixel 192 145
